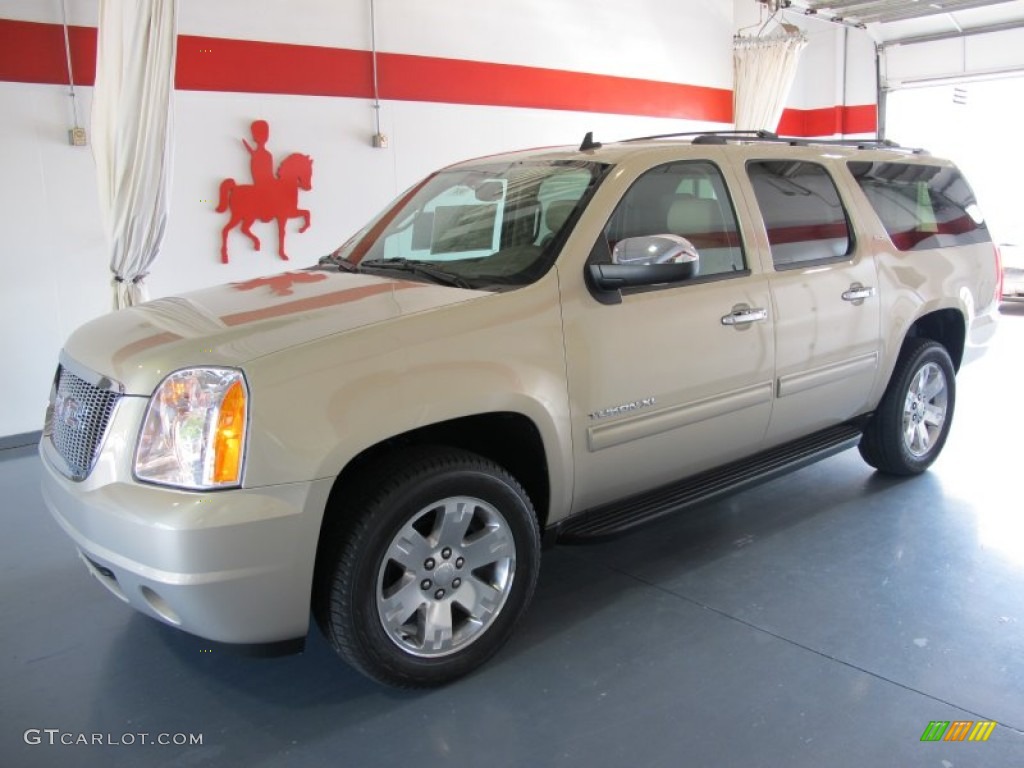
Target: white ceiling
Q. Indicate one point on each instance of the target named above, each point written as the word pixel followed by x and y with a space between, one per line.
pixel 891 20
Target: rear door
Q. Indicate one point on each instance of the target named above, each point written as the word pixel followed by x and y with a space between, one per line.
pixel 824 289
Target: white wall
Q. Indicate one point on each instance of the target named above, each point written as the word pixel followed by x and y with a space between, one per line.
pixel 837 68
pixel 834 53
pixel 54 255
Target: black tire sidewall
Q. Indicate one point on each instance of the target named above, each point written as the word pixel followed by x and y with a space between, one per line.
pixel 926 352
pixel 355 580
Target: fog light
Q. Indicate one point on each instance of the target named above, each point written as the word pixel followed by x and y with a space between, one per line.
pixel 160 606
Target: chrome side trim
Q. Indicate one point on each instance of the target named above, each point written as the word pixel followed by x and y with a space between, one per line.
pixel 652 423
pixel 795 383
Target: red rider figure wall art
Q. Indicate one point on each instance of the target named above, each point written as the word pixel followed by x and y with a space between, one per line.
pixel 270 197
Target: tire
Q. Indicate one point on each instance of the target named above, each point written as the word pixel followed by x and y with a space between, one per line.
pixel 430 572
pixel 909 428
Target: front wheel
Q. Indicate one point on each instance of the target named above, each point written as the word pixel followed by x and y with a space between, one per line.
pixel 910 426
pixel 432 572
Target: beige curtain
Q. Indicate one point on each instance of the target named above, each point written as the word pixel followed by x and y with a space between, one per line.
pixel 132 133
pixel 764 71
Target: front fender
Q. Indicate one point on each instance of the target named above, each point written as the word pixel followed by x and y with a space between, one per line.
pixel 315 407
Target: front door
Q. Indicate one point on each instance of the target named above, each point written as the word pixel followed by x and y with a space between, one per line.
pixel 672 379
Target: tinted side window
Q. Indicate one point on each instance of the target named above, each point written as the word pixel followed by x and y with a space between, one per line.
pixel 802 212
pixel 688 199
pixel 921 206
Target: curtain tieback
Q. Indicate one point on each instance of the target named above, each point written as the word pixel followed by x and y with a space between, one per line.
pixel 134 281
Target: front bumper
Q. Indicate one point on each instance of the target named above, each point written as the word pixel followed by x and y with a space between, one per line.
pixel 230 566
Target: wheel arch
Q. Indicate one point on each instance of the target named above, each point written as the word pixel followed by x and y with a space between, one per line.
pixel 507 438
pixel 948 327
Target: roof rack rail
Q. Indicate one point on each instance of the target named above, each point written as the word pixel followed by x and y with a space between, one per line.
pixel 724 137
pixel 736 134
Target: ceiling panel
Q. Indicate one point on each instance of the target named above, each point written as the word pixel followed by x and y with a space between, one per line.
pixel 891 21
pixel 866 11
pixel 886 11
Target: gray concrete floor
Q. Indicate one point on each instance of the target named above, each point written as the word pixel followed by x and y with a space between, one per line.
pixel 821 620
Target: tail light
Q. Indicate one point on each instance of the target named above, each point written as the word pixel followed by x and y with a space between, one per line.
pixel 999 274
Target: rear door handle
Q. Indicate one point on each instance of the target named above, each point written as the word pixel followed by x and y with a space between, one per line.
pixel 858 293
pixel 744 316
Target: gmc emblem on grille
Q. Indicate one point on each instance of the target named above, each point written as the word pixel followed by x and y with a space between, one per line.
pixel 68 412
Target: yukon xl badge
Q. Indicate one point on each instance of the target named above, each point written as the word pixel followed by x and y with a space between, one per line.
pixel 616 410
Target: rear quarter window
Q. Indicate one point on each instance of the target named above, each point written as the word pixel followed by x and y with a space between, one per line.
pixel 921 206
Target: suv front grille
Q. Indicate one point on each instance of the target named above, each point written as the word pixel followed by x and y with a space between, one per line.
pixel 77 420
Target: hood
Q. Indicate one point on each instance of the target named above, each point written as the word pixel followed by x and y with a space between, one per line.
pixel 236 322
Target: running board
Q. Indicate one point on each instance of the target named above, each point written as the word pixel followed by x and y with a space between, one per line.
pixel 624 515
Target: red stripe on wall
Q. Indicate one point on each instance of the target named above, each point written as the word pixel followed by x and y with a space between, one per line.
pixel 251 66
pixel 34 53
pixel 829 121
pixel 456 81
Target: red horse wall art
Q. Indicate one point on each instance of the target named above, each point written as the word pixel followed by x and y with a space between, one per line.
pixel 271 196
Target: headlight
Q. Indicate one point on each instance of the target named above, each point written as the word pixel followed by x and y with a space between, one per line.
pixel 193 435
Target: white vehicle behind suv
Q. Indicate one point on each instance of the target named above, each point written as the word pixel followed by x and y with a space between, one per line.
pixel 553 344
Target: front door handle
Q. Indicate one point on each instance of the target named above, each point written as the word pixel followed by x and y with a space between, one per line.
pixel 744 316
pixel 858 293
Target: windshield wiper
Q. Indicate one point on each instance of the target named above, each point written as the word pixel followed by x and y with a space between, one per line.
pixel 421 268
pixel 343 264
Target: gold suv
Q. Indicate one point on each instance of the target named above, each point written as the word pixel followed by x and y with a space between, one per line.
pixel 553 344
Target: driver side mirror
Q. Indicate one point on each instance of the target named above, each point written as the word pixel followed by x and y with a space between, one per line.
pixel 648 260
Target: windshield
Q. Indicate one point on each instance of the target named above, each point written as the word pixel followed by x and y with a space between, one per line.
pixel 487 226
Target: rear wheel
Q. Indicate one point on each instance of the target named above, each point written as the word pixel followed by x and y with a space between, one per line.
pixel 437 563
pixel 910 426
